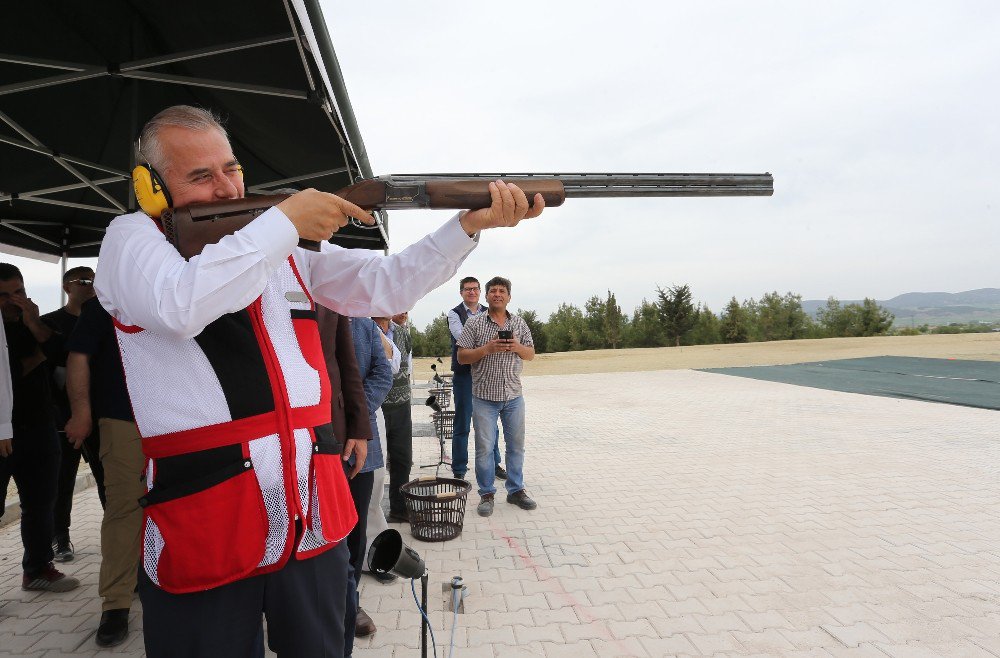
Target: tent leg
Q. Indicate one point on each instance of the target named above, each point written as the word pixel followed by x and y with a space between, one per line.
pixel 62 275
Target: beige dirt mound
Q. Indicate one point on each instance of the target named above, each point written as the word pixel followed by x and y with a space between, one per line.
pixel 975 347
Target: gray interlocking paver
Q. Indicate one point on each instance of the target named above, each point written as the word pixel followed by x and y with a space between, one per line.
pixel 769 641
pixel 669 646
pixel 571 650
pixel 857 633
pixel 628 648
pixel 709 644
pixel 680 513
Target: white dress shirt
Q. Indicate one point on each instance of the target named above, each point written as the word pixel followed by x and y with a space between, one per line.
pixel 143 281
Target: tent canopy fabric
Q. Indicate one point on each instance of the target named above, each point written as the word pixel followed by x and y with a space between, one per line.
pixel 79 79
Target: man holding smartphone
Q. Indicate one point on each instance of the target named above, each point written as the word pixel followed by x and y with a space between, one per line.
pixel 461 382
pixel 495 344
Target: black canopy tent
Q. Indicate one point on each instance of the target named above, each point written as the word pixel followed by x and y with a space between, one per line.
pixel 78 80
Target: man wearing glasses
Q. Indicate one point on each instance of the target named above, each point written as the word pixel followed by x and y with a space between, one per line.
pixel 78 284
pixel 462 381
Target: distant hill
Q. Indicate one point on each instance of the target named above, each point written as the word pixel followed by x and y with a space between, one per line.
pixel 934 308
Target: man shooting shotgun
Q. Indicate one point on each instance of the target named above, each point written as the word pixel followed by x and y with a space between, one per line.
pixel 247 504
pixel 190 228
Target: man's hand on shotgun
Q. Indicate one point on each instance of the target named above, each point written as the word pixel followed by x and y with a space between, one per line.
pixel 509 207
pixel 318 215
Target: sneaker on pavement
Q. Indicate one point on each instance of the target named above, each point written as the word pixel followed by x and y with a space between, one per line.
pixel 49 580
pixel 501 474
pixel 64 551
pixel 485 507
pixel 113 628
pixel 521 499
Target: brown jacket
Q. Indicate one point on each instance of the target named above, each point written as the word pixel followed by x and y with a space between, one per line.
pixel 350 411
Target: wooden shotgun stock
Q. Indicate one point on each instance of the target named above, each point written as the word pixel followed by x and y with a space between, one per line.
pixel 190 228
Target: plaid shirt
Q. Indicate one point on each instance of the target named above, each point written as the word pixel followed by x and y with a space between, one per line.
pixel 495 377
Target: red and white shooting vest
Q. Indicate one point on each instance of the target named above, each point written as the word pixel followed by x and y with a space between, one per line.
pixel 235 424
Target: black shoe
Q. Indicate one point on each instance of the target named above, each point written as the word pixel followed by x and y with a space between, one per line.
pixel 485 506
pixel 398 517
pixel 500 473
pixel 521 499
pixel 113 629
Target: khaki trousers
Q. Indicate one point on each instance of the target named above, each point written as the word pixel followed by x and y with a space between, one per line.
pixel 376 517
pixel 121 530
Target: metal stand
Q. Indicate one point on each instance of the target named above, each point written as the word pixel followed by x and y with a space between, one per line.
pixel 442 459
pixel 423 621
pixel 444 427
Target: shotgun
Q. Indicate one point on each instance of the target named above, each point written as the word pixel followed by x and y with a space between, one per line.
pixel 192 227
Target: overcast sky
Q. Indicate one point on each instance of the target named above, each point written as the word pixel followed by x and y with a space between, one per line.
pixel 879 121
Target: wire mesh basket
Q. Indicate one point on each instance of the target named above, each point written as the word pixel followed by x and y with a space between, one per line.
pixel 443 396
pixel 444 424
pixel 436 507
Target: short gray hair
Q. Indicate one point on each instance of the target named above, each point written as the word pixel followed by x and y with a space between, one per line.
pixel 149 150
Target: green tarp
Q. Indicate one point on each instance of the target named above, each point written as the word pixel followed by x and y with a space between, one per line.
pixel 950 381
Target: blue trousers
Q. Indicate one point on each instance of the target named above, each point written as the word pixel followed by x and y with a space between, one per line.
pixel 511 415
pixel 461 386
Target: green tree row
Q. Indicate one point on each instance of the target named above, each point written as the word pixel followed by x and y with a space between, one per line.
pixel 673 319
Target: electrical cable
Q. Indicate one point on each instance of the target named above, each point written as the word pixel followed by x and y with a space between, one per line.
pixel 413 588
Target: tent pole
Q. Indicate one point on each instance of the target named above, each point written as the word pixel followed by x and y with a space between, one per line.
pixel 62 267
pixel 134 135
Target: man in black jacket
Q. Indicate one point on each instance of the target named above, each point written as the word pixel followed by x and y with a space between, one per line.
pixel 34 461
pixel 78 284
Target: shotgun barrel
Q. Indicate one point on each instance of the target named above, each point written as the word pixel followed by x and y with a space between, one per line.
pixel 624 184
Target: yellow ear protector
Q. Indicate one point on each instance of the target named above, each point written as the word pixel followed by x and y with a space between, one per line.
pixel 150 192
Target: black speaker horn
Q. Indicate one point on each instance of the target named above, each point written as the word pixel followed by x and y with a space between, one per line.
pixel 389 554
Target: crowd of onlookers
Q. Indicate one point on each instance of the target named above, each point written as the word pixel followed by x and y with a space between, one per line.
pixel 69 402
pixel 65 399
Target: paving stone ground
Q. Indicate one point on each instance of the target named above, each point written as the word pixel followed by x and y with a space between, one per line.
pixel 680 513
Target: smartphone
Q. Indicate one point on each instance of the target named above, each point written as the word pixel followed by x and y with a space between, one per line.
pixel 505 334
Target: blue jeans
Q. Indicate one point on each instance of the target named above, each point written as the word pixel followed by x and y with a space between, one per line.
pixel 511 415
pixel 461 386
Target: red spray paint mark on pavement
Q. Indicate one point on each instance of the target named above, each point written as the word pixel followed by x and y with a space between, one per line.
pixel 571 601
